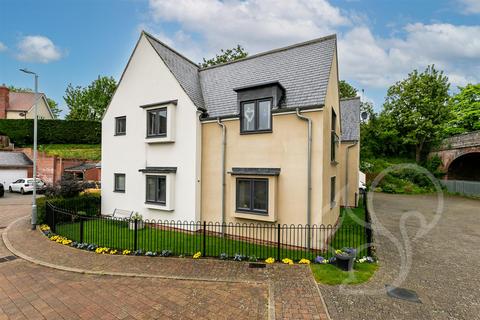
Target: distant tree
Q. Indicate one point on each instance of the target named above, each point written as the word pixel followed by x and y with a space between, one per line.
pixel 89 103
pixel 346 90
pixel 466 110
pixel 225 56
pixel 417 109
pixel 52 103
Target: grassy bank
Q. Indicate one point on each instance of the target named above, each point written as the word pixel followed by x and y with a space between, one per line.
pixel 73 151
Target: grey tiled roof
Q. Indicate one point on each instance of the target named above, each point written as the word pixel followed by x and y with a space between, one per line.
pixel 350 117
pixel 14 159
pixel 302 69
pixel 82 167
pixel 183 69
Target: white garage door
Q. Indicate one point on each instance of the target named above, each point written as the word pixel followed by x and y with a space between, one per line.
pixel 8 176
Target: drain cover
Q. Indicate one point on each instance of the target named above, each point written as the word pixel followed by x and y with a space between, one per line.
pixel 7 258
pixel 401 293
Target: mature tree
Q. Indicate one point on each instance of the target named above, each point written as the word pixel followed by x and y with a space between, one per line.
pixel 89 103
pixel 346 90
pixel 466 110
pixel 225 56
pixel 418 109
pixel 52 103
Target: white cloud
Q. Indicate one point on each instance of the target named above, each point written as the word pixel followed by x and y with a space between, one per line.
pixel 38 49
pixel 204 27
pixel 2 47
pixel 257 24
pixel 470 6
pixel 379 62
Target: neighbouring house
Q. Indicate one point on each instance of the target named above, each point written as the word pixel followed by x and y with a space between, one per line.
pixel 350 151
pixel 86 171
pixel 20 105
pixel 254 140
pixel 14 166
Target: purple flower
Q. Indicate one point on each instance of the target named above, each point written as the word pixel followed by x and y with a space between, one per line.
pixel 319 259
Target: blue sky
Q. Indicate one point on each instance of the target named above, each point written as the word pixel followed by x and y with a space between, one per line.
pixel 379 41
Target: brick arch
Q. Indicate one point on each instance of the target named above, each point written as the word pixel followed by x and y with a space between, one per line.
pixel 465 167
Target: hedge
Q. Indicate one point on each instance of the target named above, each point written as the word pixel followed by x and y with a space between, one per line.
pixel 20 131
pixel 88 204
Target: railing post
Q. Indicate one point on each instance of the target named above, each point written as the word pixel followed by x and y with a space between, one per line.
pixel 135 235
pixel 52 227
pixel 81 229
pixel 204 238
pixel 278 241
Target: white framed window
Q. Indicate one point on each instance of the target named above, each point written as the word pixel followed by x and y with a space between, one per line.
pixel 160 191
pixel 119 182
pixel 160 122
pixel 121 126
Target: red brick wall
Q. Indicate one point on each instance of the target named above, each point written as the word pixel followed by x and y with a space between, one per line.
pixel 50 169
pixel 4 100
pixel 92 174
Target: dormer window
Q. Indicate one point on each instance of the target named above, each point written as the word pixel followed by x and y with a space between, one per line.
pixel 256 116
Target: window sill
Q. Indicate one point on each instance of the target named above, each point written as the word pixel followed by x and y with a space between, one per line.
pixel 256 132
pixel 254 216
pixel 119 191
pixel 155 206
pixel 159 139
pixel 120 134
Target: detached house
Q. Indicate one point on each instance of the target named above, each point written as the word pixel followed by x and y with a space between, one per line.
pixel 254 140
pixel 20 105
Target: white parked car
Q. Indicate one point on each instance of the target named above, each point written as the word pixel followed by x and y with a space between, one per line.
pixel 25 185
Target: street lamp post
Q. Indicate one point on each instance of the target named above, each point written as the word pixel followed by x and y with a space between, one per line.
pixel 34 197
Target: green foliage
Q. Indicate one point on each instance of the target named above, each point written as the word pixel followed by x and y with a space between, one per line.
pixel 346 90
pixel 52 103
pixel 332 275
pixel 225 56
pixel 89 103
pixel 466 110
pixel 433 164
pixel 87 203
pixel 73 151
pixel 20 131
pixel 416 109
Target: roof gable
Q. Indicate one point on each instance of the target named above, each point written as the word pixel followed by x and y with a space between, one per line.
pixel 184 70
pixel 14 159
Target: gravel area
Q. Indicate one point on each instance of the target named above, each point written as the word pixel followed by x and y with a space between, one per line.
pixel 444 268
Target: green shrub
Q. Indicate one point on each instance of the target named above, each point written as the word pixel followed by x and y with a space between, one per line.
pixel 87 204
pixel 20 131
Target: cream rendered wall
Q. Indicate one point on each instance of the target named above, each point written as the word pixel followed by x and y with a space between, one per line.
pixel 148 80
pixel 353 172
pixel 285 148
pixel 43 112
pixel 332 102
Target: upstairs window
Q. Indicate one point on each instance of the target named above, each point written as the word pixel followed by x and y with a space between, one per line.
pixel 157 122
pixel 256 116
pixel 334 140
pixel 120 126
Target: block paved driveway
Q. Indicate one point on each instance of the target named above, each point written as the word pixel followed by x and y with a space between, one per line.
pixel 445 270
pixel 31 291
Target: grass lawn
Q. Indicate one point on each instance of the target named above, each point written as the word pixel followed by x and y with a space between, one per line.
pixel 331 275
pixel 73 151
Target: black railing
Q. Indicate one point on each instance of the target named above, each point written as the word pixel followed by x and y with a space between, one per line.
pixel 211 239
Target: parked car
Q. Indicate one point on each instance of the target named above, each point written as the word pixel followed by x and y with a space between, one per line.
pixel 25 185
pixel 2 190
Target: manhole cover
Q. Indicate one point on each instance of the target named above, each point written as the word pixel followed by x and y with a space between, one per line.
pixel 7 258
pixel 401 293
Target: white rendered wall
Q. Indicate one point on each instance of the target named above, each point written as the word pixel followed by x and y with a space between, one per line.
pixel 148 80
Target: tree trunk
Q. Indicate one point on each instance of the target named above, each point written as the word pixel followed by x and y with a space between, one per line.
pixel 418 152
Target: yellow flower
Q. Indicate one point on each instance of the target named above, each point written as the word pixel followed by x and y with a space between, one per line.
pixel 113 251
pixel 197 255
pixel 126 252
pixel 270 260
pixel 304 261
pixel 44 227
pixel 102 250
pixel 66 242
pixel 287 261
